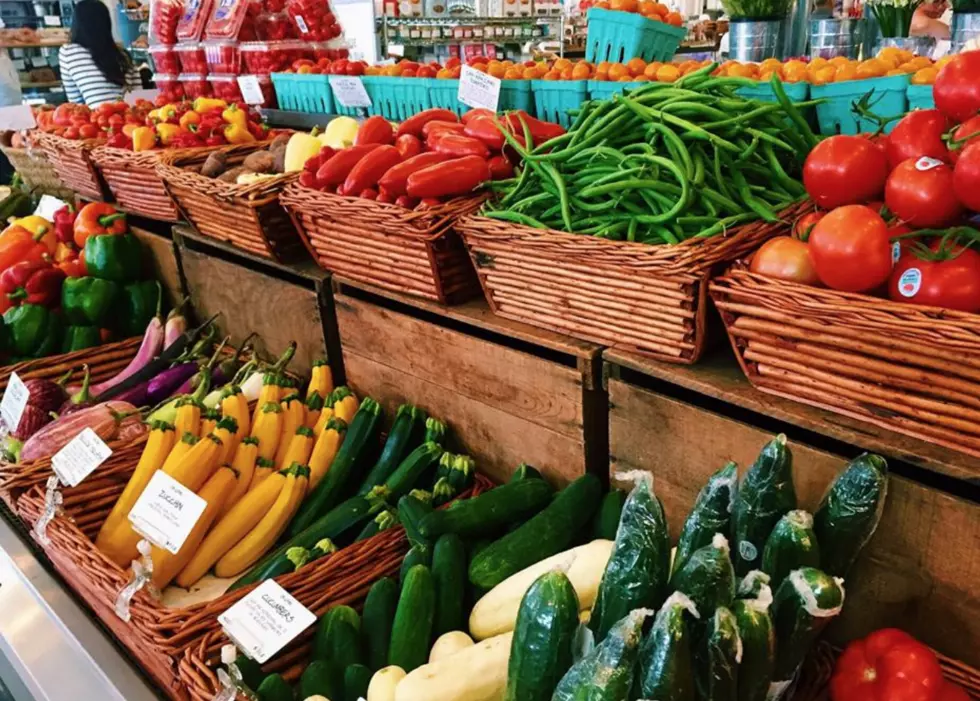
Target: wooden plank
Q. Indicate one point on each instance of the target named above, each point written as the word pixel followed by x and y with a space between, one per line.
pixel 919 572
pixel 718 376
pixel 163 262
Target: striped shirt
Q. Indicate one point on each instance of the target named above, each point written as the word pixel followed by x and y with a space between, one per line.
pixel 85 82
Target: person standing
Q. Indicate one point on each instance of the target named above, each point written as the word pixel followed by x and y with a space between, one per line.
pixel 94 69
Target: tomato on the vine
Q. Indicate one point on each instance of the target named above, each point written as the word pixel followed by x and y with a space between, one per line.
pixel 785 258
pixel 965 134
pixel 920 192
pixel 943 277
pixel 957 87
pixel 951 692
pixel 888 665
pixel 850 249
pixel 919 133
pixel 966 177
pixel 845 169
pixel 804 225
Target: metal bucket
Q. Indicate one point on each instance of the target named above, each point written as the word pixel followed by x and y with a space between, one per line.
pixel 920 46
pixel 795 31
pixel 751 40
pixel 965 26
pixel 836 37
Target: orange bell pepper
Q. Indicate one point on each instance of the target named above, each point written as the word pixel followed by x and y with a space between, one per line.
pixel 97 219
pixel 144 138
pixel 188 118
pixel 17 244
pixel 73 267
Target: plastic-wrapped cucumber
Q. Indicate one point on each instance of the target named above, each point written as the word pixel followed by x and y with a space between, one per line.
pixel 639 567
pixel 765 494
pixel 711 514
pixel 666 670
pixel 806 601
pixel 606 673
pixel 850 512
pixel 717 658
pixel 758 645
pixel 752 585
pixel 707 577
pixel 790 546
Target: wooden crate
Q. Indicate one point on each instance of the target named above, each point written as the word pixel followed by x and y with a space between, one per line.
pixel 919 572
pixel 509 392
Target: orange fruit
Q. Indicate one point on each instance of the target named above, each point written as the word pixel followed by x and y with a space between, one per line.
pixel 566 73
pixel 541 68
pixel 623 5
pixel 818 62
pixel 895 71
pixel 561 64
pixel 848 71
pixel 655 17
pixel 674 18
pixel 530 74
pixel 445 74
pixel 943 61
pixel 794 71
pixel 839 61
pixel 496 69
pixel 925 76
pixel 647 8
pixel 508 63
pixel 920 61
pixel 551 75
pixel 636 66
pixel 482 67
pixel 741 70
pixel 581 71
pixel 661 9
pixel 651 70
pixel 823 76
pixel 641 79
pixel 668 73
pixel 512 73
pixel 872 68
pixel 603 66
pixel 617 71
pixel 601 4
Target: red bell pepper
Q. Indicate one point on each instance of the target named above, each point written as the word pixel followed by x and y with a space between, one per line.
pixel 456 177
pixel 458 145
pixel 368 170
pixel 408 146
pixel 500 168
pixel 413 125
pixel 37 282
pixel 437 125
pixel 120 140
pixel 396 179
pixel 486 130
pixel 335 170
pixel 375 130
pixel 385 196
pixel 888 665
pixel 478 113
pixel 64 223
pixel 96 219
pixel 308 179
pixel 17 244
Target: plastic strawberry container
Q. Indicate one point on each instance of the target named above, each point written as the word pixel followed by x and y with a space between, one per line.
pixel 164 59
pixel 164 17
pixel 225 87
pixel 313 19
pixel 265 57
pixel 274 26
pixel 222 56
pixel 226 19
pixel 192 20
pixel 192 58
pixel 195 85
pixel 170 87
pixel 331 50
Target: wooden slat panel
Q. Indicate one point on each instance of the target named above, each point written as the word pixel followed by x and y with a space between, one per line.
pixel 163 262
pixel 919 572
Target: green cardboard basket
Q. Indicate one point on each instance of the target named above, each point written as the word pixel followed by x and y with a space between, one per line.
pixel 888 99
pixel 920 97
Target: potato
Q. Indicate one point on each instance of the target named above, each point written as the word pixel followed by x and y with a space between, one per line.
pixel 231 175
pixel 279 142
pixel 279 159
pixel 259 162
pixel 215 165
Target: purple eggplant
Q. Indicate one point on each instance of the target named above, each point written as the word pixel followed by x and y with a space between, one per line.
pixel 169 382
pixel 137 396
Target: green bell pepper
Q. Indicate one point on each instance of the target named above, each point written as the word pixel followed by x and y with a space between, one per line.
pixel 33 331
pixel 87 301
pixel 136 304
pixel 79 337
pixel 117 257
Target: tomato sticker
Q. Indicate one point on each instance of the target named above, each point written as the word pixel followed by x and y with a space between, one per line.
pixel 926 163
pixel 896 252
pixel 910 282
pixel 301 23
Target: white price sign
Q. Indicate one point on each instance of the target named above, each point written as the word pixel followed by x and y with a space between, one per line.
pixel 264 622
pixel 47 206
pixel 80 457
pixel 17 118
pixel 166 512
pixel 14 401
pixel 478 89
pixel 251 90
pixel 349 91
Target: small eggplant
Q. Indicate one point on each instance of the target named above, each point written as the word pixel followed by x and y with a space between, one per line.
pixel 149 349
pixel 169 382
pixel 80 399
pixel 137 396
pixel 176 324
pixel 31 421
pixel 47 395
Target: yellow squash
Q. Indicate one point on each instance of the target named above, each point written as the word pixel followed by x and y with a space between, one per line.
pixel 197 465
pixel 325 449
pixel 321 379
pixel 270 392
pixel 233 404
pixel 226 430
pixel 314 407
pixel 187 441
pixel 209 420
pixel 293 413
pixel 298 448
pixel 188 419
pixel 267 428
pixel 345 404
pixel 263 468
pixel 321 422
pixel 244 463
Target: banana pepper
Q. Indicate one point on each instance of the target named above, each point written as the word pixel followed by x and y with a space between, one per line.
pixel 144 138
pixel 238 134
pixel 34 224
pixel 167 132
pixel 235 115
pixel 203 104
pixel 190 118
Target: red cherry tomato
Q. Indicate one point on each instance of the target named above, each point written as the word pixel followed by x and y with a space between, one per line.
pixel 919 133
pixel 957 87
pixel 966 177
pixel 785 258
pixel 920 192
pixel 845 170
pixel 850 249
pixel 888 665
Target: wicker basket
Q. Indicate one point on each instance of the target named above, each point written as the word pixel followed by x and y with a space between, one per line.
pixel 640 298
pixel 247 216
pixel 37 172
pixel 72 159
pixel 414 252
pixel 867 358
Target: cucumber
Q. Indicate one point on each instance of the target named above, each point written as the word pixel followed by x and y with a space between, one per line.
pixel 711 514
pixel 323 678
pixel 416 555
pixel 639 567
pixel 850 512
pixel 665 667
pixel 542 647
pixel 765 494
pixel 435 431
pixel 758 647
pixel 354 452
pixel 379 613
pixel 449 580
pixel 328 635
pixel 606 673
pixel 718 658
pixel 473 549
pixel 524 472
pixel 806 601
pixel 606 521
pixel 411 632
pixel 385 519
pixel 345 644
pixel 274 688
pixel 250 670
pixel 407 423
pixel 753 586
pixel 357 678
pixel 707 577
pixel 791 545
pixel 491 512
pixel 410 470
pixel 411 511
pixel 549 532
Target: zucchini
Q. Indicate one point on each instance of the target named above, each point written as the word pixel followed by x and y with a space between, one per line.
pixel 491 512
pixel 850 512
pixel 549 532
pixel 357 678
pixel 385 519
pixel 665 667
pixel 718 657
pixel 354 452
pixel 606 521
pixel 416 555
pixel 753 585
pixel 791 545
pixel 802 607
pixel 638 570
pixel 331 632
pixel 442 492
pixel 758 647
pixel 379 613
pixel 541 650
pixel 411 511
pixel 407 423
pixel 435 431
pixel 410 471
pixel 449 581
pixel 250 671
pixel 525 472
pixel 765 494
pixel 462 473
pixel 707 577
pixel 322 678
pixel 711 514
pixel 606 673
pixel 411 632
pixel 274 688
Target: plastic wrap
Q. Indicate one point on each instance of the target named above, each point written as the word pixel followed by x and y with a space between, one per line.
pixel 717 660
pixel 225 87
pixel 802 607
pixel 666 669
pixel 222 57
pixel 707 577
pixel 164 17
pixel 314 19
pixel 711 513
pixel 171 89
pixel 195 85
pixel 191 58
pixel 752 584
pixel 758 638
pixel 791 545
pixel 192 20
pixel 274 26
pixel 164 59
pixel 265 57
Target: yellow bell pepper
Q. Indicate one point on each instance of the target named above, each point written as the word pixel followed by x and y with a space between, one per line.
pixel 167 132
pixel 234 115
pixel 188 118
pixel 128 129
pixel 203 104
pixel 340 133
pixel 144 138
pixel 238 134
pixel 299 149
pixel 163 114
pixel 35 224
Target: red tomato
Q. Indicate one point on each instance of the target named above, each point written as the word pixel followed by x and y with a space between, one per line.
pixel 951 282
pixel 957 87
pixel 966 177
pixel 888 665
pixel 804 225
pixel 850 249
pixel 967 133
pixel 951 692
pixel 920 192
pixel 845 170
pixel 785 258
pixel 919 133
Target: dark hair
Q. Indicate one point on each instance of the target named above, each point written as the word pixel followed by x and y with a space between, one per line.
pixel 92 28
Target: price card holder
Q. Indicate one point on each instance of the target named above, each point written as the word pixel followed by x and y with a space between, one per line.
pixel 13 403
pixel 251 90
pixel 264 622
pixel 349 91
pixel 48 205
pixel 17 118
pixel 166 512
pixel 478 89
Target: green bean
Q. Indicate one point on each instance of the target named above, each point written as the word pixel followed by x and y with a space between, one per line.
pixel 792 186
pixel 631 230
pixel 794 114
pixel 722 225
pixel 533 199
pixel 750 200
pixel 516 218
pixel 692 108
pixel 720 199
pixel 675 146
pixel 551 172
pixel 775 141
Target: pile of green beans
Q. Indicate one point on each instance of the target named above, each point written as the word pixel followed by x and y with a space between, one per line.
pixel 662 164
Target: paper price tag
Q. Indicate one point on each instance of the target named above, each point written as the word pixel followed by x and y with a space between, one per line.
pixel 149 95
pixel 264 622
pixel 349 91
pixel 166 512
pixel 478 89
pixel 80 457
pixel 17 118
pixel 251 90
pixel 48 206
pixel 14 401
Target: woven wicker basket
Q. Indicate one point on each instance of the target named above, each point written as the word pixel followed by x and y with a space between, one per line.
pixel 37 172
pixel 867 358
pixel 247 216
pixel 414 252
pixel 72 159
pixel 632 296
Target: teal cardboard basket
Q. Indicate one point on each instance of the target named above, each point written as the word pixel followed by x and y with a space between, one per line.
pixel 888 99
pixel 553 99
pixel 397 98
pixel 514 95
pixel 762 91
pixel 303 93
pixel 920 97
pixel 605 89
pixel 619 36
pixel 442 93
